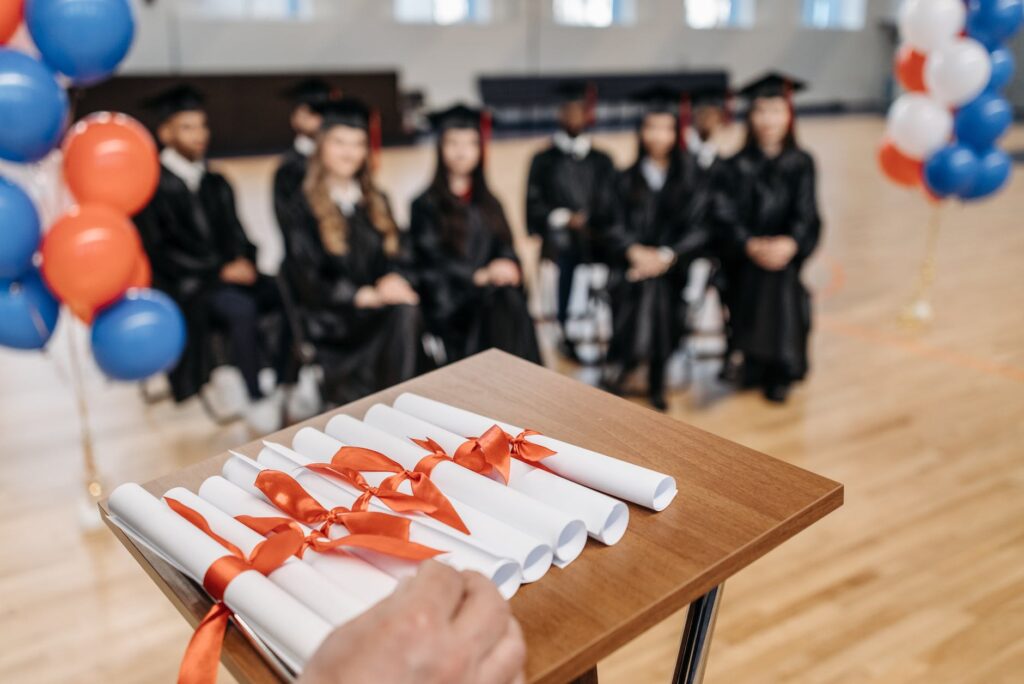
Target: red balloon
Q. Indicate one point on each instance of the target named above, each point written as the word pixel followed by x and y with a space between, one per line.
pixel 90 256
pixel 910 69
pixel 10 18
pixel 111 159
pixel 898 167
pixel 142 276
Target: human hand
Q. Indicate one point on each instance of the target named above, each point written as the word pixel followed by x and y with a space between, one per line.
pixel 578 220
pixel 504 272
pixel 367 297
pixel 394 289
pixel 239 271
pixel 439 627
pixel 645 262
pixel 779 251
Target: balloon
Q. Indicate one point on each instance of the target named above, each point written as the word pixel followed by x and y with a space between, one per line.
pixel 993 21
pixel 89 257
pixel 910 69
pixel 142 276
pixel 994 168
pixel 84 39
pixel 981 122
pixel 926 25
pixel 957 72
pixel 951 170
pixel 918 125
pixel 19 231
pixel 1003 66
pixel 10 19
pixel 140 335
pixel 33 108
pixel 28 312
pixel 111 159
pixel 898 167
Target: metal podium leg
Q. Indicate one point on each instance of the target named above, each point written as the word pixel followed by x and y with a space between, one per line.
pixel 696 642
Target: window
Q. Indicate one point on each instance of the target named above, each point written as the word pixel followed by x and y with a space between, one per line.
pixel 834 14
pixel 708 14
pixel 443 11
pixel 594 13
pixel 249 9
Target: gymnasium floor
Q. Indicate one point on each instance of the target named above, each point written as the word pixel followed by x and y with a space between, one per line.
pixel 918 578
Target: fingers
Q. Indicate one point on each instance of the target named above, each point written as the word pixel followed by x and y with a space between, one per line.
pixel 483 616
pixel 437 591
pixel 504 664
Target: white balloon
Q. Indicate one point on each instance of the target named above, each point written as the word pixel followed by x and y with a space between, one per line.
pixel 928 24
pixel 956 73
pixel 919 125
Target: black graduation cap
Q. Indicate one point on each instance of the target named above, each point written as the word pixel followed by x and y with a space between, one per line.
pixel 311 91
pixel 772 84
pixel 574 90
pixel 180 98
pixel 457 116
pixel 347 111
pixel 659 98
pixel 708 96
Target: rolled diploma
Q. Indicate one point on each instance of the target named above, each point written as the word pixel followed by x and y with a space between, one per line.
pixel 351 573
pixel 294 630
pixel 606 518
pixel 612 476
pixel 506 573
pixel 564 533
pixel 242 472
pixel 487 532
pixel 311 588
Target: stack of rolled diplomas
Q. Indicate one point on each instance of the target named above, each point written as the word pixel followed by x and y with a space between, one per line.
pixel 305 538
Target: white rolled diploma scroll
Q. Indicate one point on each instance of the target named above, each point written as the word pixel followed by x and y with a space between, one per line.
pixel 506 573
pixel 606 518
pixel 564 533
pixel 291 628
pixel 242 472
pixel 347 571
pixel 615 477
pixel 486 532
pixel 300 580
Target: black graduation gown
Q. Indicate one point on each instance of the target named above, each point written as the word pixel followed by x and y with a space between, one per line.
pixel 188 238
pixel 558 180
pixel 360 350
pixel 468 318
pixel 648 317
pixel 770 312
pixel 289 177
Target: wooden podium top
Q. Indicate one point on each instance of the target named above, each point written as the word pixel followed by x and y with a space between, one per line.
pixel 734 505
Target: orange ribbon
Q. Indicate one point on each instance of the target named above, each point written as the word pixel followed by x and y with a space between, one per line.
pixel 202 656
pixel 353 459
pixel 528 451
pixel 484 454
pixel 381 532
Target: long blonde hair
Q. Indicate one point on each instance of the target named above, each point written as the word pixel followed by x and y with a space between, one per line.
pixel 332 222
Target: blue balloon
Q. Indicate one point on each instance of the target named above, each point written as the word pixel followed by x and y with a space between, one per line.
pixel 1003 66
pixel 951 170
pixel 993 21
pixel 994 168
pixel 83 39
pixel 19 231
pixel 138 336
pixel 33 108
pixel 983 120
pixel 28 312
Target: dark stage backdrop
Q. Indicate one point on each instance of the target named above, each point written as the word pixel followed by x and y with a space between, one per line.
pixel 248 114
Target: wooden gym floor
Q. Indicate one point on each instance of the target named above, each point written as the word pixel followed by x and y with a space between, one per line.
pixel 918 578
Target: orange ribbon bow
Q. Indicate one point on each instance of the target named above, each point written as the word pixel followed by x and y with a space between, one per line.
pixel 347 463
pixel 525 450
pixel 202 656
pixel 484 454
pixel 381 532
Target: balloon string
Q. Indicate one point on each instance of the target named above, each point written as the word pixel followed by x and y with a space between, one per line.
pixel 919 310
pixel 92 482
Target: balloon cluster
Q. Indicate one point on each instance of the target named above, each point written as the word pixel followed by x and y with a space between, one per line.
pixel 954 64
pixel 91 257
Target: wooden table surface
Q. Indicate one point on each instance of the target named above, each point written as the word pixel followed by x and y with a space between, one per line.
pixel 734 505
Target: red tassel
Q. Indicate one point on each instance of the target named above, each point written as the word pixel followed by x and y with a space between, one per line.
pixel 685 115
pixel 376 139
pixel 486 130
pixel 591 104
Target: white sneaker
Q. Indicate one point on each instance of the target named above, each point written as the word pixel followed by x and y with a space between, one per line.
pixel 264 416
pixel 226 391
pixel 304 399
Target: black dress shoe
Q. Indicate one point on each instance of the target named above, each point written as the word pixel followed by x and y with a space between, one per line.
pixel 776 393
pixel 658 401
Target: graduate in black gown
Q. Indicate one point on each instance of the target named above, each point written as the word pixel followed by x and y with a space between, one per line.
pixel 470 281
pixel 569 195
pixel 202 258
pixel 709 115
pixel 307 98
pixel 663 227
pixel 767 206
pixel 345 263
